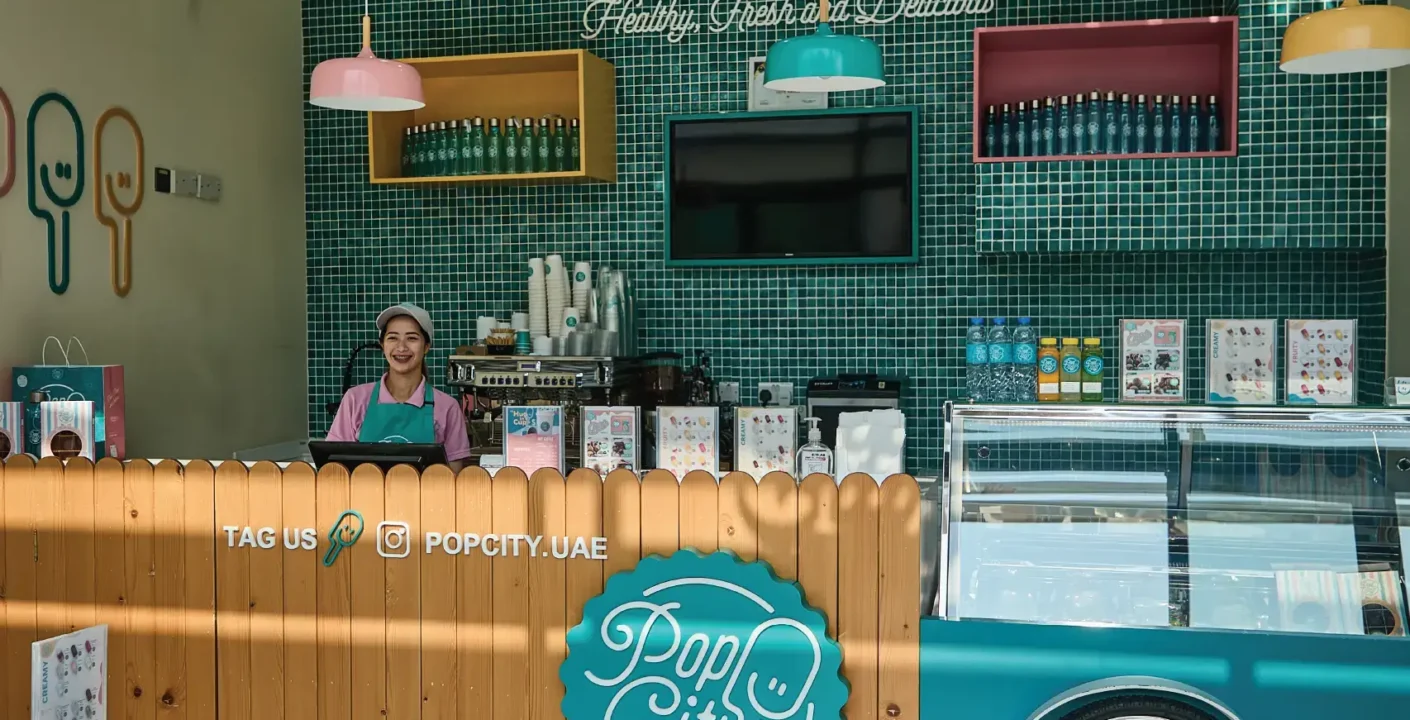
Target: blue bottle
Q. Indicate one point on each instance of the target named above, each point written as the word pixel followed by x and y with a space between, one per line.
pixel 1141 115
pixel 1064 128
pixel 1006 131
pixel 1035 128
pixel 1049 128
pixel 1000 362
pixel 1025 362
pixel 1214 138
pixel 1111 132
pixel 1079 125
pixel 1160 130
pixel 1127 142
pixel 1096 139
pixel 1194 126
pixel 1020 131
pixel 991 133
pixel 976 351
pixel 1174 115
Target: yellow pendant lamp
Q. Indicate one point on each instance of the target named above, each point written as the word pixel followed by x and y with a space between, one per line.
pixel 1347 39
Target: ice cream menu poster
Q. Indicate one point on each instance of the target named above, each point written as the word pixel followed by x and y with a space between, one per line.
pixel 610 439
pixel 765 440
pixel 1153 360
pixel 68 676
pixel 1243 362
pixel 533 438
pixel 688 438
pixel 1321 362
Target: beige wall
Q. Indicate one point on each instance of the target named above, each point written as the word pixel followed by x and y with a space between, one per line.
pixel 1398 223
pixel 212 333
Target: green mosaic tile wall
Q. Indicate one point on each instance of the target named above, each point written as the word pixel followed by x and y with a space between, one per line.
pixel 1310 171
pixel 461 251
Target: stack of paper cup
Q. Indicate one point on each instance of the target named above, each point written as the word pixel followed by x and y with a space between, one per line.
pixel 538 298
pixel 556 290
pixel 582 286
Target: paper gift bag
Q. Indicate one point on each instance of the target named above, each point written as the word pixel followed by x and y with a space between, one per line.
pixel 66 429
pixel 11 429
pixel 101 385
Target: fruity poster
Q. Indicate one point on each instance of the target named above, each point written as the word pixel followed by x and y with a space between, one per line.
pixel 688 438
pixel 765 440
pixel 1321 362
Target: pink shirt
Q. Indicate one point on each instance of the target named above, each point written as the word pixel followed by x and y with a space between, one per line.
pixel 449 420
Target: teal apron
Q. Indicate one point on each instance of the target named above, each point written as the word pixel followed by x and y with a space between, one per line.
pixel 396 422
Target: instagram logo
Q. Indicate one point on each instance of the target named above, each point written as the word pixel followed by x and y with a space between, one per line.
pixel 393 539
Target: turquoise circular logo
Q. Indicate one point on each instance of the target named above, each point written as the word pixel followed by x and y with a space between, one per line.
pixel 1092 366
pixel 1048 365
pixel 701 636
pixel 1071 364
pixel 1024 353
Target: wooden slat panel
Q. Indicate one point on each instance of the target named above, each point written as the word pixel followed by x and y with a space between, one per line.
pixel 511 597
pixel 169 527
pixel 584 508
pixel 778 523
pixel 621 521
pixel 660 514
pixel 266 496
pixel 232 600
pixel 817 545
pixel 300 513
pixel 201 538
pixel 898 681
pixel 79 573
pixel 110 583
pixel 334 623
pixel 438 604
pixel 20 578
pixel 547 588
pixel 856 601
pixel 699 512
pixel 369 598
pixel 739 515
pixel 403 502
pixel 474 636
pixel 139 543
pixel 47 512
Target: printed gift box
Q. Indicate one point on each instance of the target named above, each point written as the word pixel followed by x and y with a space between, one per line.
pixel 11 429
pixel 101 385
pixel 66 429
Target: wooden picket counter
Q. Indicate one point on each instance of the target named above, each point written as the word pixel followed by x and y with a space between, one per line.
pixel 200 630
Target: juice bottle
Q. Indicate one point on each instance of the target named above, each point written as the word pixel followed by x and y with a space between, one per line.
pixel 1071 371
pixel 1048 376
pixel 1092 370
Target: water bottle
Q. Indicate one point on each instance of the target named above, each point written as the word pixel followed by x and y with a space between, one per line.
pixel 1064 128
pixel 991 133
pixel 1025 362
pixel 976 352
pixel 1000 362
pixel 1006 128
pixel 1214 131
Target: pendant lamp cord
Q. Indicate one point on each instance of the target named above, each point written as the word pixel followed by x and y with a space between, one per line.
pixel 367 23
pixel 822 11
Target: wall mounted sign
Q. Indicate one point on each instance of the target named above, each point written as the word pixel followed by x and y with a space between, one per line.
pixel 675 19
pixel 119 242
pixel 67 171
pixel 701 637
pixel 7 110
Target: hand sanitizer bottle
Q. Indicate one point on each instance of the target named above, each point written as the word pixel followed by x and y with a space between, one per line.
pixel 815 457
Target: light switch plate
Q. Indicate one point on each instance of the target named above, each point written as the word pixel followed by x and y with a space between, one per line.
pixel 729 392
pixel 209 187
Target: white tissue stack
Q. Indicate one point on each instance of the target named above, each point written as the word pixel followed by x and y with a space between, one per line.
pixel 872 442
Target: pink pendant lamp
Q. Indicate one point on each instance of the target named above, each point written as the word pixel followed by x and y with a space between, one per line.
pixel 366 82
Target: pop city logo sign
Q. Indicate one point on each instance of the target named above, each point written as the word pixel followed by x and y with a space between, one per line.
pixel 701 637
pixel 675 19
pixel 394 541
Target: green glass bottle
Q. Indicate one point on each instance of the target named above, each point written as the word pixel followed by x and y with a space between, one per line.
pixel 445 148
pixel 494 155
pixel 559 163
pixel 543 147
pixel 477 147
pixel 415 160
pixel 406 153
pixel 526 145
pixel 462 149
pixel 511 146
pixel 575 146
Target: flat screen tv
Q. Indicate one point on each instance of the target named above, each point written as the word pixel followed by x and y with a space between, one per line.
pixel 792 188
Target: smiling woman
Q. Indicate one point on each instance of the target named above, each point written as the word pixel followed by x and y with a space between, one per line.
pixel 403 407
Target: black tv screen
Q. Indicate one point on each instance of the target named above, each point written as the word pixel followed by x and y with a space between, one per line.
pixel 833 186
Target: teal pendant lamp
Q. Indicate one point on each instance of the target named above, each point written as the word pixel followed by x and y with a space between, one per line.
pixel 823 61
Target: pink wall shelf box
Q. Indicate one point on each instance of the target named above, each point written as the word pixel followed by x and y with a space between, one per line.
pixel 1192 56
